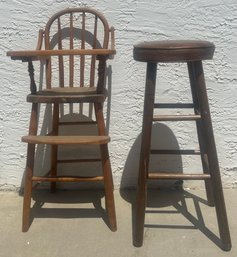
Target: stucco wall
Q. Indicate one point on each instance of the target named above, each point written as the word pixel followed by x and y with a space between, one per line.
pixel 213 20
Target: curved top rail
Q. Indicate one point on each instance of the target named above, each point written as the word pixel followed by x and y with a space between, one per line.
pixel 79 10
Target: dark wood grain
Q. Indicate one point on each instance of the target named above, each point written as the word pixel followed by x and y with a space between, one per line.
pixel 173 51
pixel 145 152
pixel 192 52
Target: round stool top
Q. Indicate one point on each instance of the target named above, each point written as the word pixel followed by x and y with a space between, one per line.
pixel 173 51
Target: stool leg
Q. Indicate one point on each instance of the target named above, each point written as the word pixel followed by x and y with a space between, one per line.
pixel 106 166
pixel 29 171
pixel 54 148
pixel 145 153
pixel 212 157
pixel 200 133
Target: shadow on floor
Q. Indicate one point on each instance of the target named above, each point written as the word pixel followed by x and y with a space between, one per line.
pixel 44 200
pixel 157 199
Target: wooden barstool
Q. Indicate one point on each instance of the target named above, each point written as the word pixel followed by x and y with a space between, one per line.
pixel 191 52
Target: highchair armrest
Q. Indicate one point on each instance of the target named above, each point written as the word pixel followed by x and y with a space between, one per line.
pixel 30 55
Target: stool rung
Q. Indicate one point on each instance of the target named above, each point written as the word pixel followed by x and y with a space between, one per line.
pixel 173 105
pixel 67 179
pixel 166 175
pixel 176 117
pixel 66 140
pixel 177 151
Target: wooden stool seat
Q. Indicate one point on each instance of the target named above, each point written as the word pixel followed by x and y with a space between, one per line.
pixel 173 51
pixel 191 52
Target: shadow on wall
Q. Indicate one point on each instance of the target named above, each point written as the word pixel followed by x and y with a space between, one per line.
pixel 78 112
pixel 162 138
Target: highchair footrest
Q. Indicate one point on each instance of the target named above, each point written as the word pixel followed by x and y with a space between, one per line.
pixel 66 140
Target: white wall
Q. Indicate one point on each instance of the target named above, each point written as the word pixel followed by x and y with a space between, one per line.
pixel 214 20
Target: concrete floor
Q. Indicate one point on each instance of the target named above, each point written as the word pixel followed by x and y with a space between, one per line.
pixel 73 223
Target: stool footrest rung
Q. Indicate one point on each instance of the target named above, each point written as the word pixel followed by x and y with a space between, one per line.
pixel 187 117
pixel 66 140
pixel 67 179
pixel 166 175
pixel 175 151
pixel 173 105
